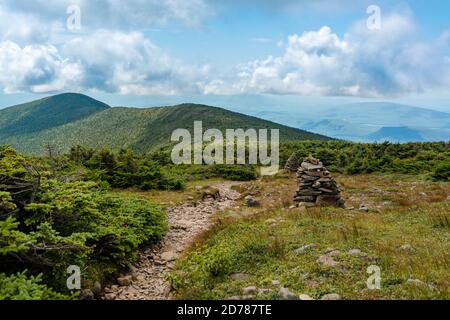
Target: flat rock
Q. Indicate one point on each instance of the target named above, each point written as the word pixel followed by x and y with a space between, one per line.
pixel 327 261
pixel 169 256
pixel 354 252
pixel 239 276
pixel 309 166
pixel 305 248
pixel 305 297
pixel 331 296
pixel 251 290
pixel 287 295
pixel 235 298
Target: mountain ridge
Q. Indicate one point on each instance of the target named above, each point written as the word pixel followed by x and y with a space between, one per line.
pixel 140 129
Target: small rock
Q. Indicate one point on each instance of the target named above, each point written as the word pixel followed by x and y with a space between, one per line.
pixel 305 297
pixel 275 282
pixel 124 281
pixel 183 224
pixel 97 289
pixel 110 296
pixel 331 296
pixel 364 208
pixel 252 202
pixel 109 290
pixel 264 291
pixel 249 290
pixel 87 294
pixel 287 295
pixel 354 252
pixel 140 278
pixel 233 298
pixel 239 276
pixel 271 221
pixel 305 248
pixel 334 253
pixel 169 256
pixel 407 248
pixel 327 261
pixel 308 205
pixel 292 207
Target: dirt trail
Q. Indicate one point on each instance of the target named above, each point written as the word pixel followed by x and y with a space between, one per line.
pixel 185 223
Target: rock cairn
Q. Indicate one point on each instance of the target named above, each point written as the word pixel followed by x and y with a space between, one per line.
pixel 316 186
pixel 292 164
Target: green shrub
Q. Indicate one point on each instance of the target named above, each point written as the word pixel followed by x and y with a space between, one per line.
pixel 217 260
pixel 77 223
pixel 442 172
pixel 21 287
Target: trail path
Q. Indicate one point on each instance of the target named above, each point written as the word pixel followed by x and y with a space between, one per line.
pixel 185 223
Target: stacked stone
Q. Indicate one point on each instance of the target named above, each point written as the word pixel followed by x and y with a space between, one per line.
pixel 316 186
pixel 292 164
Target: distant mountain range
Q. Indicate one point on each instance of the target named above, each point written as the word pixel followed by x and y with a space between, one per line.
pixel 73 119
pixel 368 122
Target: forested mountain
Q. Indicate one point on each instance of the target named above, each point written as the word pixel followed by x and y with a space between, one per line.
pixel 73 119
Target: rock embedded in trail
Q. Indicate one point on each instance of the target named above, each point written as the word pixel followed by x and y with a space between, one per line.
pixel 168 256
pixel 316 186
pixel 125 281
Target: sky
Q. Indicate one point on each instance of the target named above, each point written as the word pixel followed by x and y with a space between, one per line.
pixel 249 53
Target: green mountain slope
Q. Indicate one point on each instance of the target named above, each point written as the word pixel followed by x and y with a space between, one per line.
pixel 139 129
pixel 47 113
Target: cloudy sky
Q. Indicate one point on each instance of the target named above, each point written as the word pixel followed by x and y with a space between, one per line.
pixel 153 52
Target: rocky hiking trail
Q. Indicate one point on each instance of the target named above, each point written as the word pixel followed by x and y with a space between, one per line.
pixel 146 280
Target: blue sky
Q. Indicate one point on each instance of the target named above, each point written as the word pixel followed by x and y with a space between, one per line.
pixel 146 53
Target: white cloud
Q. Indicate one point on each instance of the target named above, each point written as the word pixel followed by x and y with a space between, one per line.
pixel 387 62
pixel 116 62
pixel 35 68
